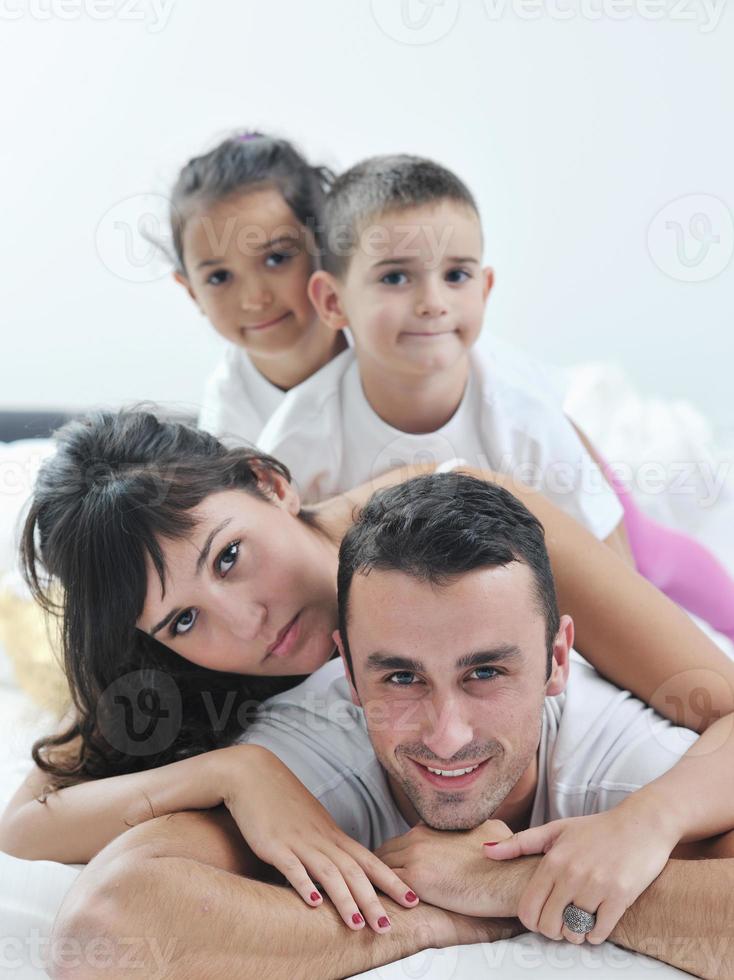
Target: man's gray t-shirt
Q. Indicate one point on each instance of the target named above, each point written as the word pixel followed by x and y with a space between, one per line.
pixel 598 744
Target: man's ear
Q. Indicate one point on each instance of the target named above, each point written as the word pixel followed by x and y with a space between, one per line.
pixel 275 486
pixel 556 683
pixel 323 291
pixel 487 282
pixel 182 280
pixel 337 638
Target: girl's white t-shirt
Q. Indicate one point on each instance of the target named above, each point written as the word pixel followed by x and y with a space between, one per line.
pixel 509 420
pixel 238 400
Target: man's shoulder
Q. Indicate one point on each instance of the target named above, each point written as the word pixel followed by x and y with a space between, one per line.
pixel 600 743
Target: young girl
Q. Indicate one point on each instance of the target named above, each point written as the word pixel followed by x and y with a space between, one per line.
pixel 125 511
pixel 245 223
pixel 245 219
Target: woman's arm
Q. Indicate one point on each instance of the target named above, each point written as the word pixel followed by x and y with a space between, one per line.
pixel 75 823
pixel 625 627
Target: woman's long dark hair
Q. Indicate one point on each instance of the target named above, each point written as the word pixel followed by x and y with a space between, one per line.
pixel 118 483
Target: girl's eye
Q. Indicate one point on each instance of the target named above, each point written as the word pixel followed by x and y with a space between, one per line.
pixel 277 258
pixel 483 674
pixel 218 277
pixel 228 558
pixel 394 279
pixel 401 678
pixel 457 276
pixel 185 622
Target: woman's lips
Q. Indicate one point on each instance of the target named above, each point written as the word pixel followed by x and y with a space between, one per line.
pixel 267 323
pixel 287 638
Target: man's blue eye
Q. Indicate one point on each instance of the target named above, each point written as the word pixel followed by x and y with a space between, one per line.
pixel 403 678
pixel 394 279
pixel 484 673
pixel 218 277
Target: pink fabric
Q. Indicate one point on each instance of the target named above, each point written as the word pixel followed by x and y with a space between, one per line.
pixel 678 565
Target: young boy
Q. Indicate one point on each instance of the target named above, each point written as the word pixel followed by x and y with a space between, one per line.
pixel 403 270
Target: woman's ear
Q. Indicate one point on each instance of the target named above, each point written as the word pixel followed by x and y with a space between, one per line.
pixel 275 486
pixel 323 291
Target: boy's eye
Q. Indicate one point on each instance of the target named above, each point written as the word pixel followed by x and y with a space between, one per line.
pixel 401 678
pixel 218 277
pixel 185 622
pixel 457 276
pixel 228 558
pixel 394 279
pixel 483 674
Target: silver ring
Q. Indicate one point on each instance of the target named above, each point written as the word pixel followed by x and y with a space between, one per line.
pixel 577 920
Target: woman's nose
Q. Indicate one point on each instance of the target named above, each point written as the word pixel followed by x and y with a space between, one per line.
pixel 244 619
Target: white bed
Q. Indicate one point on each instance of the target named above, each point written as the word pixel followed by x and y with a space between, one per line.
pixel 625 427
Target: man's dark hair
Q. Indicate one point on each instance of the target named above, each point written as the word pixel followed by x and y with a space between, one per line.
pixel 375 187
pixel 438 526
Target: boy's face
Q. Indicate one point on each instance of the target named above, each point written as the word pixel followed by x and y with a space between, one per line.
pixel 414 292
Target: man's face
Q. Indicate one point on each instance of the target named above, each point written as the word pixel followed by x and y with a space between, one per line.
pixel 452 680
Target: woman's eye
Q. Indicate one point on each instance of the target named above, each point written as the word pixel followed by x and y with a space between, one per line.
pixel 218 277
pixel 185 622
pixel 277 258
pixel 228 558
pixel 402 678
pixel 394 279
pixel 457 276
pixel 483 674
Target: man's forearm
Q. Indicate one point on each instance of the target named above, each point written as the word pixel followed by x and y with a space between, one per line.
pixel 169 916
pixel 685 918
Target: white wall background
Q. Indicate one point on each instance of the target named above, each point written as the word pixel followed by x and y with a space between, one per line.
pixel 574 134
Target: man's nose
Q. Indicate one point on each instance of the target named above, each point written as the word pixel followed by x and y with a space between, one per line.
pixel 447 730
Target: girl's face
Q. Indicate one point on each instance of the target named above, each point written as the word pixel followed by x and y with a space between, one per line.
pixel 248 262
pixel 252 590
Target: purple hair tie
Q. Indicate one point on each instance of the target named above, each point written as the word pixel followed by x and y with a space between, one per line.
pixel 246 137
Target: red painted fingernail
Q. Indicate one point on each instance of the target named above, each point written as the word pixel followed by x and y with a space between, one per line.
pixel 357 919
pixel 315 897
pixel 383 922
pixel 411 897
pixel 490 843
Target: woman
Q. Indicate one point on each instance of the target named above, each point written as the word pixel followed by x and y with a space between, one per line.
pixel 182 561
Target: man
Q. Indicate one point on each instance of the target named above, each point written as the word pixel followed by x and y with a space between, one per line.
pixel 455 651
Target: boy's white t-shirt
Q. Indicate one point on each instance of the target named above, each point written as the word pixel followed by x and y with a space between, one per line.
pixel 509 420
pixel 238 400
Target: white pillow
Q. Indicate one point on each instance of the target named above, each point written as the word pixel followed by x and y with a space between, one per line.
pixel 19 465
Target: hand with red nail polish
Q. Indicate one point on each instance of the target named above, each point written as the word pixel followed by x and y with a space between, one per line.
pixel 287 828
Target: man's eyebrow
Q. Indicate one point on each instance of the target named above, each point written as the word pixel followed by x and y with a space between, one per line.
pixel 381 660
pixel 392 661
pixel 200 562
pixel 500 654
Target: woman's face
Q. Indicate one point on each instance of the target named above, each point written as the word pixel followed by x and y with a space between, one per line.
pixel 248 262
pixel 251 590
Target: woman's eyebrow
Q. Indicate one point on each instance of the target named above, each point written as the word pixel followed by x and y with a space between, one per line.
pixel 204 553
pixel 200 562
